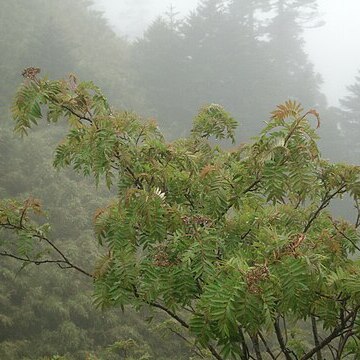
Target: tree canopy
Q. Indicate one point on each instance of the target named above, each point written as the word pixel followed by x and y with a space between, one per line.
pixel 244 54
pixel 236 246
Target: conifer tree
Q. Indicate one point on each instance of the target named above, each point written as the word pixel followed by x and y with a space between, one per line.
pixel 350 126
pixel 160 66
pixel 351 102
pixel 291 69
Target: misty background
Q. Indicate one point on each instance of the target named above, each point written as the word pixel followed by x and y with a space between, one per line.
pixel 247 55
pixel 332 47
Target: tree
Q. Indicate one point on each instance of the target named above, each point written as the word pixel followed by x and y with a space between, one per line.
pixel 236 247
pixel 160 65
pixel 245 54
pixel 294 74
pixel 205 41
pixel 45 32
pixel 350 121
pixel 247 61
pixel 352 101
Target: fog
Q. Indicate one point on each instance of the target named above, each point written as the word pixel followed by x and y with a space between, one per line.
pixel 179 180
pixel 333 47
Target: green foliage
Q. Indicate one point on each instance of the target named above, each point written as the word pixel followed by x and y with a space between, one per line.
pixel 214 120
pixel 227 243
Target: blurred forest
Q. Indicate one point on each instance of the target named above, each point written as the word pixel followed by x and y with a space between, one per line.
pixel 246 55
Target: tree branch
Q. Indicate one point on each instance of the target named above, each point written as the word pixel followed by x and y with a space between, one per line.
pixel 80 117
pixel 182 323
pixel 249 188
pixel 268 350
pixel 170 313
pixel 345 236
pixel 281 341
pixel 342 343
pixel 176 317
pixel 50 243
pixel 292 130
pixel 316 337
pixel 244 347
pixel 335 333
pixel 357 207
pixel 322 206
pixel 33 261
pixel 197 351
pixel 255 341
pixel 61 263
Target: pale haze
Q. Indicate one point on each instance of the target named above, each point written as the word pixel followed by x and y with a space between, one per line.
pixel 334 48
pixel 179 187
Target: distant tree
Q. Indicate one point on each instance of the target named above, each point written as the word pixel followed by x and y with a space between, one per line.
pixel 236 247
pixel 249 81
pixel 244 54
pixel 226 61
pixel 245 12
pixel 350 125
pixel 351 102
pixel 45 32
pixel 291 69
pixel 206 44
pixel 159 63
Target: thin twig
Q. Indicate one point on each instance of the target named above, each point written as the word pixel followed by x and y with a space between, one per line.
pixel 316 337
pixel 255 341
pixel 345 236
pixel 33 261
pixel 61 263
pixel 357 206
pixel 197 351
pixel 281 341
pixel 322 206
pixel 51 244
pixel 80 117
pixel 335 333
pixel 268 350
pixel 245 351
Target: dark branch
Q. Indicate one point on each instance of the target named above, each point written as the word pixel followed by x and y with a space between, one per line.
pixel 182 323
pixel 176 317
pixel 316 337
pixel 335 333
pixel 197 351
pixel 268 350
pixel 281 341
pixel 345 236
pixel 256 345
pixel 357 207
pixel 322 206
pixel 61 263
pixel 252 186
pixel 342 343
pixel 64 260
pixel 33 261
pixel 22 216
pixel 188 198
pixel 292 130
pixel 243 236
pixel 80 117
pixel 244 347
pixel 214 353
pixel 170 313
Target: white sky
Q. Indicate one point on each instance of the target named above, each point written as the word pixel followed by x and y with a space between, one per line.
pixel 333 48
